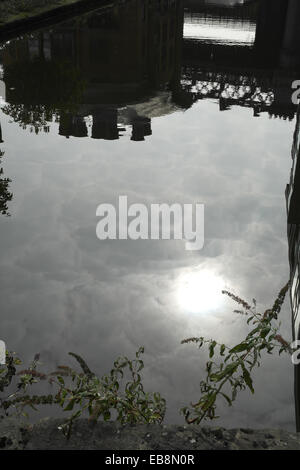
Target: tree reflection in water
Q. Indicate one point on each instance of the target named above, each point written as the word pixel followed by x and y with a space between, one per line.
pixel 58 82
pixel 5 194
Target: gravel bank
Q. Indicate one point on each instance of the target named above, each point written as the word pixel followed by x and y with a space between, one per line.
pixel 111 436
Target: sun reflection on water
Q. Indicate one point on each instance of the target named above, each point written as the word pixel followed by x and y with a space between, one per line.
pixel 200 291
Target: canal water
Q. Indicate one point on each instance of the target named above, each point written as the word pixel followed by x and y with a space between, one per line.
pixel 163 105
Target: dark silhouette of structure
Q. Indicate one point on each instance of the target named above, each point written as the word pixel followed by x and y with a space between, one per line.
pixel 120 56
pixel 293 217
pixel 277 33
pixel 257 75
pixel 103 65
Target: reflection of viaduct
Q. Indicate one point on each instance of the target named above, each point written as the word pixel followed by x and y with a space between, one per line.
pixel 126 53
pixel 277 32
pixel 259 76
pixel 136 65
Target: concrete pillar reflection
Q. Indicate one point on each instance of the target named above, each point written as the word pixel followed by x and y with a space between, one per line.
pixel 105 124
pixel 65 125
pixel 79 128
pixel 141 127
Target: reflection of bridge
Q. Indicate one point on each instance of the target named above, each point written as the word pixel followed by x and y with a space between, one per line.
pixel 259 76
pixel 263 89
pixel 138 65
pixel 243 12
pixel 230 90
pixel 262 95
pixel 277 36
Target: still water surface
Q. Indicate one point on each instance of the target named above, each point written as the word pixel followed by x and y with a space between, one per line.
pixel 95 108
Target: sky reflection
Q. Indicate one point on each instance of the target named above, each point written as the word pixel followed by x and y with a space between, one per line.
pixel 238 34
pixel 64 290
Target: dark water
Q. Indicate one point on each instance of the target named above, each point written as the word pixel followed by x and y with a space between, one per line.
pixel 160 105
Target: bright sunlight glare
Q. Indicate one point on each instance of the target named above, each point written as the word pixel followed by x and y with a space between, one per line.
pixel 200 291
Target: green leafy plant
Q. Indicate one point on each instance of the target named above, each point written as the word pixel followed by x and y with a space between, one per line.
pixel 8 374
pixel 233 369
pixel 103 396
pixel 40 91
pixel 120 395
pixel 84 391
